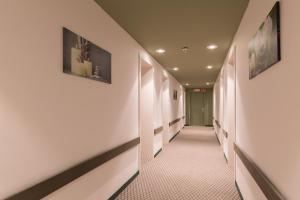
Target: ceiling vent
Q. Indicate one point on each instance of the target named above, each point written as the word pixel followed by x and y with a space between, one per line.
pixel 184 49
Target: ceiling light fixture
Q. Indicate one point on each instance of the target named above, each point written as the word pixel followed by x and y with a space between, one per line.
pixel 175 68
pixel 212 46
pixel 207 83
pixel 160 51
pixel 209 67
pixel 187 84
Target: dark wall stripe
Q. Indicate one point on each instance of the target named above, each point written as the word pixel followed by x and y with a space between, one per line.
pixel 158 152
pixel 218 139
pixel 174 122
pixel 239 191
pixel 158 130
pixel 264 183
pixel 174 136
pixel 115 195
pixel 50 185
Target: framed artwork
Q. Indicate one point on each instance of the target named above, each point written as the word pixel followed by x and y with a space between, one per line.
pixel 264 48
pixel 83 58
pixel 175 95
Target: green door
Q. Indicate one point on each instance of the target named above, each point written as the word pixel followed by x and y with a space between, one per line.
pixel 197 109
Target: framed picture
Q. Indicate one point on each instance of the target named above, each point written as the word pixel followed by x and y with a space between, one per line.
pixel 264 48
pixel 175 95
pixel 83 58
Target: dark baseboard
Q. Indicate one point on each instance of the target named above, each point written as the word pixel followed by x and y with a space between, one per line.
pixel 158 152
pixel 174 136
pixel 218 139
pixel 114 196
pixel 239 191
pixel 209 125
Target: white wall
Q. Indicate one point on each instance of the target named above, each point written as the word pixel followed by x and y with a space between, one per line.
pixel 268 106
pixel 224 95
pixel 176 108
pixel 165 109
pixel 158 118
pixel 50 121
pixel 166 112
pixel 168 108
pixel 146 115
pixel 219 110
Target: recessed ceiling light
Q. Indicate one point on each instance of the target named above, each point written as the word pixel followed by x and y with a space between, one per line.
pixel 175 68
pixel 160 51
pixel 209 67
pixel 212 46
pixel 207 83
pixel 187 84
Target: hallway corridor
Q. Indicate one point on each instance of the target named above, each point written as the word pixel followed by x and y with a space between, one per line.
pixel 192 166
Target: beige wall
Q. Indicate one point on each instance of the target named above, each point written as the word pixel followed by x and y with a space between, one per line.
pixel 268 106
pixel 50 121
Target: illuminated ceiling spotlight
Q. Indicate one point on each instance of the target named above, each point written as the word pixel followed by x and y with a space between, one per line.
pixel 175 68
pixel 212 46
pixel 209 67
pixel 186 84
pixel 160 51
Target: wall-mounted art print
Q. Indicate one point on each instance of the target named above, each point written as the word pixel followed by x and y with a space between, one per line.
pixel 175 95
pixel 83 58
pixel 264 48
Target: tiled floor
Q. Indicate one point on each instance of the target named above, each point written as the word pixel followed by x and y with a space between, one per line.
pixel 191 167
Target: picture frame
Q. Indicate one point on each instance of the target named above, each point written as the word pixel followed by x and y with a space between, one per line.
pixel 264 48
pixel 85 59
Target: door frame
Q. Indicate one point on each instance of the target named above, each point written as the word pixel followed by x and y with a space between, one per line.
pixel 142 63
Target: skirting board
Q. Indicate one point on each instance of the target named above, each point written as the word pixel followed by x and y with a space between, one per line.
pixel 218 139
pixel 174 136
pixel 158 152
pixel 115 195
pixel 239 191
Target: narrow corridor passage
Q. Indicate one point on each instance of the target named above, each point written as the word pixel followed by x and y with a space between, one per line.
pixel 190 167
